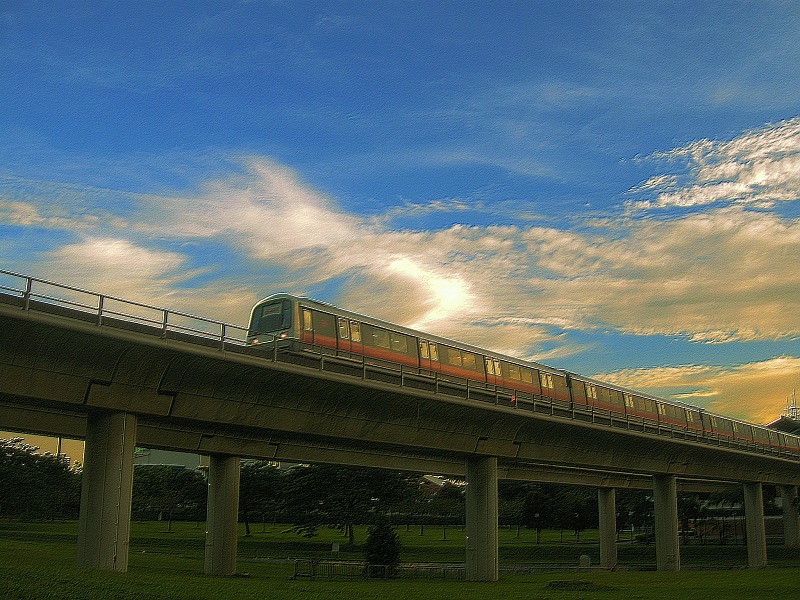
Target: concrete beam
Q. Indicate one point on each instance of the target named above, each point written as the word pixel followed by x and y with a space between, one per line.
pixel 105 513
pixel 607 508
pixel 482 562
pixel 754 523
pixel 223 515
pixel 665 504
pixel 791 515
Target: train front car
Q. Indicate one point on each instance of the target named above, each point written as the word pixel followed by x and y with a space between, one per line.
pixel 273 322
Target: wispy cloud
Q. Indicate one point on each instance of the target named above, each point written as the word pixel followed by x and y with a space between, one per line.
pixel 758 168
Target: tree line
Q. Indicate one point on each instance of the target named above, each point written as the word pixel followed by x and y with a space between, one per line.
pixel 40 485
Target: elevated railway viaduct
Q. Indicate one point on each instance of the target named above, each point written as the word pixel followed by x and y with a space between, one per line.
pixel 119 374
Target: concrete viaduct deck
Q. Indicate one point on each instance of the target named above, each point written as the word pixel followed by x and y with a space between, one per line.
pixel 118 379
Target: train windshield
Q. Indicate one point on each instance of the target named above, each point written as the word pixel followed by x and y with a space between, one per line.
pixel 271 316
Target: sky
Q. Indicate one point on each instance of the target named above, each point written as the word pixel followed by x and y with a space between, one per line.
pixel 611 188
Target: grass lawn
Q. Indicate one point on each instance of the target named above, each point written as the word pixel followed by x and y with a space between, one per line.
pixel 37 561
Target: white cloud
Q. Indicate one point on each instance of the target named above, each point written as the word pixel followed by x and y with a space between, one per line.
pixel 759 168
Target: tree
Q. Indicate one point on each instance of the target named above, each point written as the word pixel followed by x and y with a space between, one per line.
pixel 37 485
pixel 166 489
pixel 382 546
pixel 446 503
pixel 341 496
pixel 634 508
pixel 259 489
pixel 688 511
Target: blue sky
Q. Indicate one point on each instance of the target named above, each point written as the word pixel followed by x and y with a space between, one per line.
pixel 607 187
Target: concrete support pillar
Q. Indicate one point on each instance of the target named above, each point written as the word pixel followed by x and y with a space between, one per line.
pixel 106 490
pixel 791 515
pixel 607 507
pixel 223 515
pixel 754 524
pixel 665 503
pixel 481 506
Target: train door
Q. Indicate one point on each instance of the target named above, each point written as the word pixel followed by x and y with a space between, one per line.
pixel 356 345
pixel 432 361
pixel 343 342
pixel 493 373
pixel 424 355
pixel 308 327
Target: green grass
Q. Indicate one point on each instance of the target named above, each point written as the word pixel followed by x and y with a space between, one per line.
pixel 37 561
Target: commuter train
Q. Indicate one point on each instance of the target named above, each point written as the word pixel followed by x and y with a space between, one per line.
pixel 292 323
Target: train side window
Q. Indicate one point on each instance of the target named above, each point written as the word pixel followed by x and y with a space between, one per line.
pixel 468 360
pixel 423 349
pixel 307 322
pixel 324 324
pixel 355 331
pixel 661 410
pixel 452 356
pixel 591 391
pixel 497 368
pixel 381 338
pixel 513 372
pixel 490 366
pixel 628 399
pixel 398 342
pixel 344 329
pixel 434 351
pixel 526 375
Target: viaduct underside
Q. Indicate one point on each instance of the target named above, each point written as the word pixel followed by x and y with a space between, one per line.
pixel 117 387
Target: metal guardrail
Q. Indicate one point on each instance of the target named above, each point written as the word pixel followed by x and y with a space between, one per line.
pixel 340 569
pixel 33 293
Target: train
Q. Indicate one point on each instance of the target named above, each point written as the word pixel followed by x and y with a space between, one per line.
pixel 296 324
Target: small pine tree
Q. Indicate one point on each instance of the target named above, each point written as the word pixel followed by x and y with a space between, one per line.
pixel 382 546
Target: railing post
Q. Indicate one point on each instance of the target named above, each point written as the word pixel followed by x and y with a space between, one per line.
pixel 27 296
pixel 222 336
pixel 100 301
pixel 164 323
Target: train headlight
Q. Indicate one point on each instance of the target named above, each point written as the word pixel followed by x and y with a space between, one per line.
pixel 255 341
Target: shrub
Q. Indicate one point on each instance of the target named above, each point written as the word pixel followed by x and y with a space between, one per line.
pixel 383 545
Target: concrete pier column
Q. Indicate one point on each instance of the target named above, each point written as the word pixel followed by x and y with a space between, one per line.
pixel 106 490
pixel 665 504
pixel 223 515
pixel 607 508
pixel 754 525
pixel 481 505
pixel 791 515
